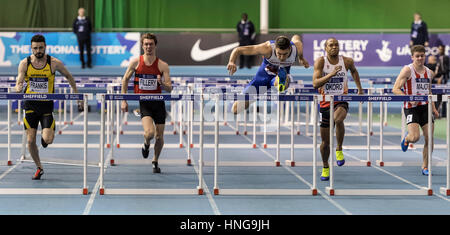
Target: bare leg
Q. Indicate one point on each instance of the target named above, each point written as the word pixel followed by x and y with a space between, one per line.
pixel 339 117
pixel 426 145
pixel 325 145
pixel 32 147
pixel 159 141
pixel 48 134
pixel 413 133
pixel 149 129
pixel 239 106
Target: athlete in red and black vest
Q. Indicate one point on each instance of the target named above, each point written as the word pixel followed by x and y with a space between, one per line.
pixel 415 79
pixel 330 78
pixel 151 76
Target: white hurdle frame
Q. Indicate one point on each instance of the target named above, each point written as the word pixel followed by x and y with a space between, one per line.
pixel 446 190
pixel 231 191
pixel 133 191
pixel 51 191
pixel 332 191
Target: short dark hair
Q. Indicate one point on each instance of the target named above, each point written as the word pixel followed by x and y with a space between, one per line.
pixel 417 48
pixel 38 38
pixel 282 42
pixel 149 36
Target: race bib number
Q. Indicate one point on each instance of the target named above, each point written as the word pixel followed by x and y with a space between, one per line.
pixel 422 86
pixel 39 85
pixel 148 82
pixel 335 86
pixel 409 118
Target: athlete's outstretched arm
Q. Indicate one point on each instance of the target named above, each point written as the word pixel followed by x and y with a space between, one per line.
pixel 297 40
pixel 59 66
pixel 260 49
pixel 167 82
pixel 434 109
pixel 405 73
pixel 125 79
pixel 21 75
pixel 355 75
pixel 128 73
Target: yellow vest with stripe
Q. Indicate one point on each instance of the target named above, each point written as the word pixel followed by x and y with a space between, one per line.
pixel 39 80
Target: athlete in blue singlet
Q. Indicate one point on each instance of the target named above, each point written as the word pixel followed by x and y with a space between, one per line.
pixel 279 55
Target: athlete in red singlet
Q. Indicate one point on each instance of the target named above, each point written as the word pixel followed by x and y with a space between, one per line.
pixel 415 79
pixel 151 76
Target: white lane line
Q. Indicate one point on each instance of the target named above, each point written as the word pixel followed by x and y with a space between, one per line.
pixel 324 195
pixel 97 185
pixel 398 177
pixel 415 150
pixel 212 203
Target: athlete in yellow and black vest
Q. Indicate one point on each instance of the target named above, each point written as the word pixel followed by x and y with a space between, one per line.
pixel 38 73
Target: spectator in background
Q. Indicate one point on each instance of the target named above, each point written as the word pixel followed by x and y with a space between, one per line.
pixel 444 63
pixel 419 31
pixel 246 32
pixel 433 65
pixel 82 27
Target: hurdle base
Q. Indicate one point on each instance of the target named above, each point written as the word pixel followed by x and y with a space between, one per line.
pixel 277 163
pixel 134 191
pixel 254 146
pixel 200 190
pixel 380 163
pixel 216 191
pixel 445 191
pixel 290 163
pixel 380 192
pixel 189 163
pixel 118 146
pixel 267 192
pixel 192 145
pixel 85 191
pixel 330 191
pixel 9 163
pixel 265 146
pixel 41 191
pixel 112 162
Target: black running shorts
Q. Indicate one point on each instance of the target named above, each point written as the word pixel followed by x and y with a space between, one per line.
pixel 418 114
pixel 325 114
pixel 33 118
pixel 155 109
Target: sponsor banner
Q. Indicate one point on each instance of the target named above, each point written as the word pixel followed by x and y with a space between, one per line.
pixel 108 49
pixel 116 49
pixel 371 49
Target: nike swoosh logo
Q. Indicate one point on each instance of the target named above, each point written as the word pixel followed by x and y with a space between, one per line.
pixel 198 54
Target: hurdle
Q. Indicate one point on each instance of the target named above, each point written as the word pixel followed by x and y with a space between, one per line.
pixel 388 91
pixel 331 190
pixel 446 190
pixel 15 96
pixel 144 97
pixel 271 97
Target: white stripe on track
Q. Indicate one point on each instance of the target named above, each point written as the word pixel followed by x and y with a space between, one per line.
pixel 324 195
